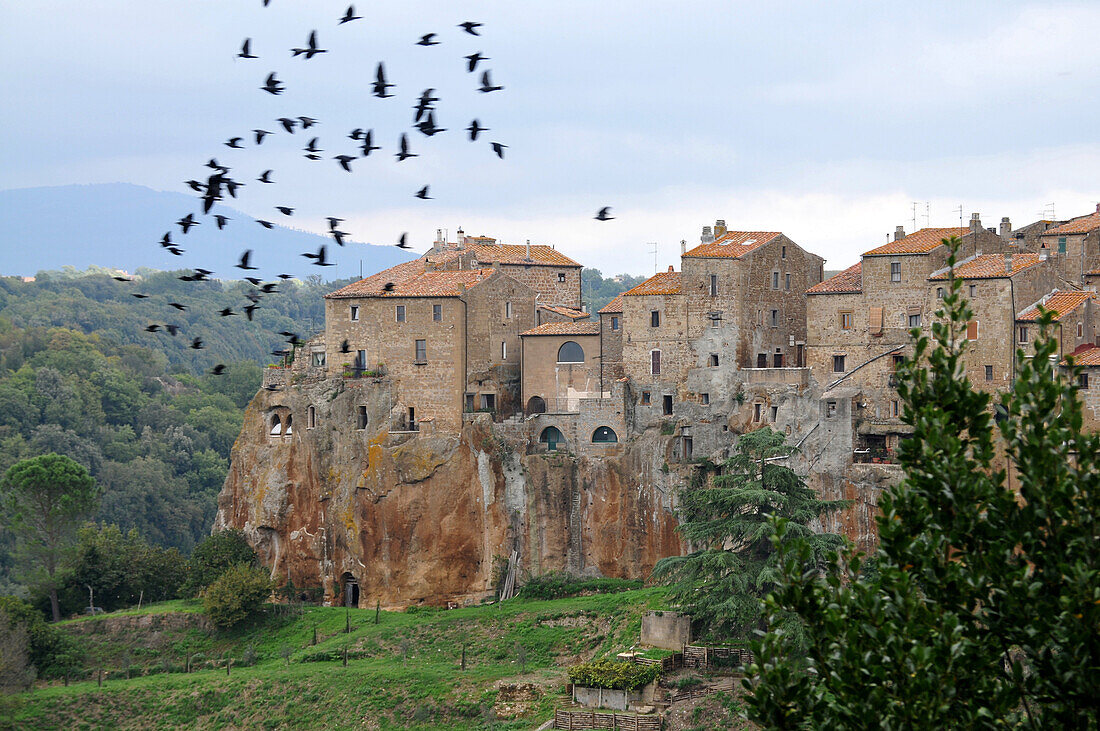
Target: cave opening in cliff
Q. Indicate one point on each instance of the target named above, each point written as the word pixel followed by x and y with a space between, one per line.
pixel 351 591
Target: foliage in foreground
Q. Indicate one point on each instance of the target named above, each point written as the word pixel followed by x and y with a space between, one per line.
pixel 214 555
pixel 562 584
pixel 236 595
pixel 614 674
pixel 983 609
pixel 721 583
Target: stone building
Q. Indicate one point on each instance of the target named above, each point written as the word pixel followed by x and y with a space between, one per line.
pixel 561 366
pixel 1077 243
pixel 1087 358
pixel 611 334
pixel 1074 325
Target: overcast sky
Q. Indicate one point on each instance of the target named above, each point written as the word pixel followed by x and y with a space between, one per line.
pixel 824 120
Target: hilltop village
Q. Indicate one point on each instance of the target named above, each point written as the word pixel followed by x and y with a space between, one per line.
pixel 464 415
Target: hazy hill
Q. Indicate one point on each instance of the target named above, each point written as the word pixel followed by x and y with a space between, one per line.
pixel 120 225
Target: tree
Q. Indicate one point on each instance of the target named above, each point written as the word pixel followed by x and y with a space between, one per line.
pixel 236 595
pixel 214 555
pixel 46 499
pixel 123 569
pixel 983 608
pixel 721 582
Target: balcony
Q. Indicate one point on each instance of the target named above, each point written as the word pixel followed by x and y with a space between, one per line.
pixel 793 376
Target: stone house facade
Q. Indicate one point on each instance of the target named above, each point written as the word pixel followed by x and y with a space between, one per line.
pixel 1077 244
pixel 561 366
pixel 611 342
pixel 1074 326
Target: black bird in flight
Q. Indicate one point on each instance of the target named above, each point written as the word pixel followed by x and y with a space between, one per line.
pixel 307 122
pixel 260 134
pixel 194 185
pixel 428 128
pixel 426 40
pixel 266 177
pixel 255 281
pixel 422 194
pixel 425 103
pixel 285 210
pixel 226 312
pixel 601 215
pixel 498 149
pixel 286 276
pixel 402 243
pixel 356 134
pixel 487 85
pixel 368 147
pixel 235 143
pixel 338 237
pixel 288 124
pixel 213 165
pixel 403 152
pixel 311 156
pixel 265 224
pixel 178 306
pixel 187 222
pixel 175 251
pixel 344 347
pixel 311 48
pixel 139 296
pixel 220 220
pixel 196 344
pixel 213 191
pixel 380 84
pixel 273 85
pixel 231 186
pixel 349 16
pixel 312 146
pixel 122 279
pixel 333 222
pixel 246 49
pixel 172 329
pixel 470 27
pixel 152 328
pixel 319 259
pixel 388 287
pixel 475 129
pixel 219 369
pixel 473 59
pixel 167 240
pixel 249 310
pixel 345 161
pixel 244 262
pixel 270 287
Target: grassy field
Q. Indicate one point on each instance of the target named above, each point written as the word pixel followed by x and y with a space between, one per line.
pixel 403 672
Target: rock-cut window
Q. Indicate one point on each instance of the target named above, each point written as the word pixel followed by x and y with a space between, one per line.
pixel 570 352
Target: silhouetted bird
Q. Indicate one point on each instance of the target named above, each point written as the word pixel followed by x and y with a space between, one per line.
pixel 219 369
pixel 311 48
pixel 402 241
pixel 260 134
pixel 470 27
pixel 288 124
pixel 122 279
pixel 266 177
pixel 345 161
pixel 356 134
pixel 167 240
pixel 426 40
pixel 338 236
pixel 388 287
pixel 498 149
pixel 152 328
pixel 424 104
pixel 473 59
pixel 403 151
pixel 270 287
pixel 243 263
pixel 194 185
pixel 196 344
pixel 139 296
pixel 213 165
pixel 246 49
pixel 271 387
pixel 312 146
pixel 286 276
pixel 601 215
pixel 175 251
pixel 319 259
pixel 253 280
pixel 487 85
pixel 178 306
pixel 311 156
pixel 428 128
pixel 475 129
pixel 344 347
pixel 422 194
pixel 368 143
pixel 349 16
pixel 380 84
pixel 249 310
pixel 220 220
pixel 273 85
pixel 235 143
pixel 285 210
pixel 226 312
pixel 265 224
pixel 172 329
pixel 231 186
pixel 333 222
pixel 187 222
pixel 307 122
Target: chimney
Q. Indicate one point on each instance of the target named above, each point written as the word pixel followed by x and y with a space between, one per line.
pixel 670 269
pixel 975 222
pixel 528 249
pixel 707 237
pixel 899 233
pixel 1008 263
pixel 437 246
pixel 1044 252
pixel 460 236
pixel 683 247
pixel 719 228
pixel 1006 227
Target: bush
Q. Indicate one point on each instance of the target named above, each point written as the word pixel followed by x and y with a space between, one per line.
pixel 561 584
pixel 213 556
pixel 236 595
pixel 613 674
pixel 53 652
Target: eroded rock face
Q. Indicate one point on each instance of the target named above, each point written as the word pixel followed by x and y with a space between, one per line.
pixel 419 518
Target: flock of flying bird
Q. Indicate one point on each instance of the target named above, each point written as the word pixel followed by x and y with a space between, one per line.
pixel 219 182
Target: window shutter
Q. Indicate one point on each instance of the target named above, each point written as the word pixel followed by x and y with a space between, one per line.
pixel 972 330
pixel 876 320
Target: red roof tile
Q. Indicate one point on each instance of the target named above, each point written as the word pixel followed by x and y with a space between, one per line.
pixel 1062 303
pixel 988 266
pixel 373 285
pixel 1086 355
pixel 1079 225
pixel 733 244
pixel 660 283
pixel 615 305
pixel 505 254
pixel 919 242
pixel 565 328
pixel 566 312
pixel 849 281
pixel 425 284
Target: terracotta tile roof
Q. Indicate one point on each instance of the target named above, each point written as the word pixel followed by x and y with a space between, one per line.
pixel 733 244
pixel 1086 355
pixel 1093 273
pixel 373 285
pixel 505 254
pixel 660 283
pixel 1062 303
pixel 425 284
pixel 918 242
pixel 849 281
pixel 987 266
pixel 566 312
pixel 1079 225
pixel 615 305
pixel 565 328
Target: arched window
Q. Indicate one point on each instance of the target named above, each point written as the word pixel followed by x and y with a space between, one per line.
pixel 289 428
pixel 605 434
pixel 570 352
pixel 311 417
pixel 536 405
pixel 551 436
pixel 276 426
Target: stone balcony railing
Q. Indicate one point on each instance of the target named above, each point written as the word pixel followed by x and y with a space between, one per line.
pixel 794 376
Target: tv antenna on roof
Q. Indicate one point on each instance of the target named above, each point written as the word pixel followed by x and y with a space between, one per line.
pixel 927 207
pixel 654 245
pixel 1048 208
pixel 960 215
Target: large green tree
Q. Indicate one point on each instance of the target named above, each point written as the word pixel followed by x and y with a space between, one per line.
pixel 45 500
pixel 734 565
pixel 983 610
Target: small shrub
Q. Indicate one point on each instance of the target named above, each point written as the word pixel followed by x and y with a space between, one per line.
pixel 213 556
pixel 561 584
pixel 235 596
pixel 613 674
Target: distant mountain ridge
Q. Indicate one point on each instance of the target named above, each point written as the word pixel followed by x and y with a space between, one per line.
pixel 119 225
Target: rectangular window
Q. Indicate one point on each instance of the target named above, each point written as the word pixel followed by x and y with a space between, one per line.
pixel 715 320
pixel 666 403
pixel 655 363
pixel 437 313
pixel 561 276
pixel 830 409
pixel 783 253
pixel 787 286
pixel 1080 329
pixel 311 417
pixel 421 351
pixel 645 398
pixel 507 309
pixel 972 330
pixel 775 280
pixel 713 285
pixel 355 313
pixel 655 318
pixel 838 364
pixel 939 293
pixel 775 414
pixel 362 419
pixel 914 321
pixel 845 320
pixel 757 412
pixel 775 318
pixel 895 408
pixel 503 350
pixel 1083 380
pixel 469 402
pixel 361 360
pixel 1023 334
pixel 317 359
pixel 895 271
pixel 973 290
pixel 400 314
pixel 712 360
pixel 488 401
pixel 706 399
pixel 1061 244
pixel 897 361
pixel 989 373
pixel 614 324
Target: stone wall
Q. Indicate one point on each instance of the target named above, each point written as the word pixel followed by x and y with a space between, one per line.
pixel 493 342
pixel 555 285
pixel 611 346
pixel 640 339
pixel 666 630
pixel 560 385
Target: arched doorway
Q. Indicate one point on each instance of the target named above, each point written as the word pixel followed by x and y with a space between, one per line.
pixel 536 405
pixel 551 436
pixel 605 435
pixel 351 590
